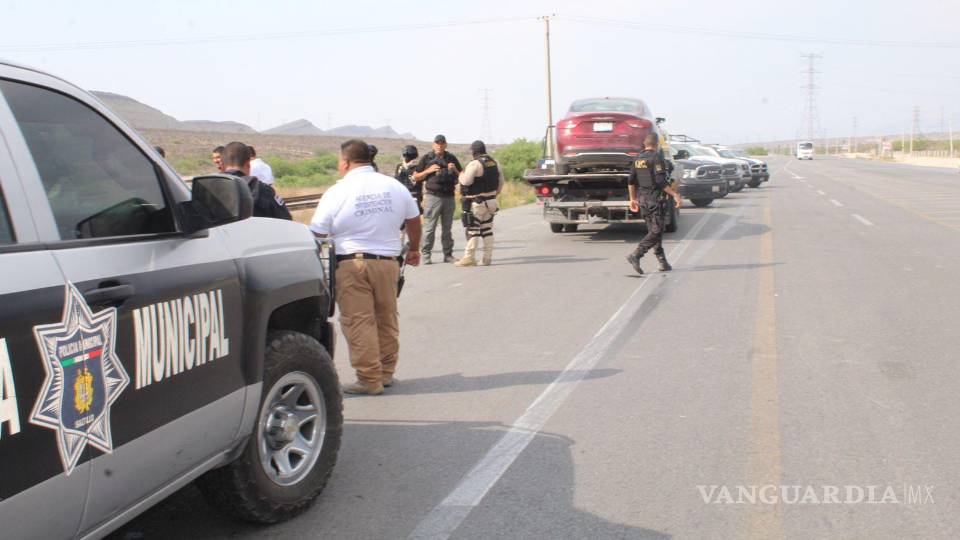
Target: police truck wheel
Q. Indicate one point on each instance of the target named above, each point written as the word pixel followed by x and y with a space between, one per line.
pixel 556 227
pixel 672 224
pixel 701 202
pixel 289 457
pixel 754 183
pixel 570 227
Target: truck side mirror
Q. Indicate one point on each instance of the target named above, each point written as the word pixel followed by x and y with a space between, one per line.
pixel 218 199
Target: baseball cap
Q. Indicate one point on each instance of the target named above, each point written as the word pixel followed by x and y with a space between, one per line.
pixel 440 139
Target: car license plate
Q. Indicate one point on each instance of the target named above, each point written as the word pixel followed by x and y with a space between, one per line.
pixel 603 126
pixel 715 189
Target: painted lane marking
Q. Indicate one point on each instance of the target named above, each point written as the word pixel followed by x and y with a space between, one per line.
pixel 444 519
pixel 862 219
pixel 820 192
pixel 763 448
pixel 836 203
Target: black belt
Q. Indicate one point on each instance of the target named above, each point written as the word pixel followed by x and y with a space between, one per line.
pixel 368 256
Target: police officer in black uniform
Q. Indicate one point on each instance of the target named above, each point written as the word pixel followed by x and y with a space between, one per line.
pixel 649 185
pixel 235 160
pixel 404 173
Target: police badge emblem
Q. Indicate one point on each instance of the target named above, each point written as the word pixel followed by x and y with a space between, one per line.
pixel 84 378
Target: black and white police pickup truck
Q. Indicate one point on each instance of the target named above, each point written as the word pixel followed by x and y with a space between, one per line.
pixel 150 334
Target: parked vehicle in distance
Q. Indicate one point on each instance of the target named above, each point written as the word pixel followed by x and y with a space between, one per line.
pixel 698 180
pixel 602 134
pixel 805 150
pixel 147 339
pixel 732 170
pixel 759 171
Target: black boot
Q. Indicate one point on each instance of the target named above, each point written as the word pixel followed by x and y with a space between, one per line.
pixel 634 260
pixel 664 265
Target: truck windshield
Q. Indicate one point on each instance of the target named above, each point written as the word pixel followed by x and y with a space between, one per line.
pixel 707 151
pixel 806 146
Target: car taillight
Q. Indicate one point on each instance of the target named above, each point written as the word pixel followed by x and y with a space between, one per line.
pixel 544 191
pixel 633 154
pixel 567 124
pixel 639 124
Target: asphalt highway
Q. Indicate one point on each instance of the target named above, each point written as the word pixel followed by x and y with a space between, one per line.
pixel 795 376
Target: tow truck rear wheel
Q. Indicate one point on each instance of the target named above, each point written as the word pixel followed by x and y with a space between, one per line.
pixel 288 458
pixel 701 202
pixel 556 227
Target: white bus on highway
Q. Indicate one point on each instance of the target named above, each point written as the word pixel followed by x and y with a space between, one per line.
pixel 804 150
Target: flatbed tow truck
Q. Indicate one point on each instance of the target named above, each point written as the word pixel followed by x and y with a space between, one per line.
pixel 574 199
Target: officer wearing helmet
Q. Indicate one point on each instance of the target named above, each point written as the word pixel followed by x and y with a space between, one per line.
pixel 480 183
pixel 405 170
pixel 649 185
pixel 373 157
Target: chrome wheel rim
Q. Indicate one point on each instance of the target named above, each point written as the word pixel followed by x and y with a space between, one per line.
pixel 292 427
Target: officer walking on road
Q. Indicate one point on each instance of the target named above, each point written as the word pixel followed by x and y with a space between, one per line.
pixel 439 169
pixel 363 212
pixel 649 178
pixel 235 160
pixel 480 183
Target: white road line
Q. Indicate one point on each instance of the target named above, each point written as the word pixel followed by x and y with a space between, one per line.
pixel 447 516
pixel 862 219
pixel 820 192
pixel 836 202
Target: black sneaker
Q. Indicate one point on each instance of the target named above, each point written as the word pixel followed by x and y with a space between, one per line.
pixel 449 259
pixel 664 265
pixel 634 260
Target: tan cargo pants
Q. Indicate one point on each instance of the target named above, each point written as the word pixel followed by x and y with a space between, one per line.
pixel 367 297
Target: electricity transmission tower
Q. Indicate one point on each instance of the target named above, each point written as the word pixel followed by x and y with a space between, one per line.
pixel 811 117
pixel 914 127
pixel 486 124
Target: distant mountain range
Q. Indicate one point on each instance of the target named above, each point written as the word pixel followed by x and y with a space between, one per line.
pixel 305 127
pixel 142 116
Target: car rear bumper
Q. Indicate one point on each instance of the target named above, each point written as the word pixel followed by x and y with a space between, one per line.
pixel 616 157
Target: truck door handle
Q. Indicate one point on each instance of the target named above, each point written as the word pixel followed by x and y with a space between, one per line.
pixel 113 294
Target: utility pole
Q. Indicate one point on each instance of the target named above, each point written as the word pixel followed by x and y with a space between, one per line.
pixel 950 127
pixel 486 127
pixel 811 116
pixel 549 143
pixel 853 146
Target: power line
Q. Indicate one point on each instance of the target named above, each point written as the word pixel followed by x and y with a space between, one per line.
pixel 89 45
pixel 690 30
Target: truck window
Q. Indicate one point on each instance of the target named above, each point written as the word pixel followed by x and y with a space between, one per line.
pixel 98 183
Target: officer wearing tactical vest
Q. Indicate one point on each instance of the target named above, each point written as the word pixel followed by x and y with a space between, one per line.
pixel 650 178
pixel 480 183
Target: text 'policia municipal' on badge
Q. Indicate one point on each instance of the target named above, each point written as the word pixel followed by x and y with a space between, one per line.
pixel 84 378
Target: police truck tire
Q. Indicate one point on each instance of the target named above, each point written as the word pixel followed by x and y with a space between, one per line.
pixel 754 183
pixel 701 202
pixel 570 227
pixel 556 227
pixel 252 487
pixel 672 224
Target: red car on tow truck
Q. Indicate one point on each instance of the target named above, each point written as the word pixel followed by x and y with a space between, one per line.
pixel 586 181
pixel 602 134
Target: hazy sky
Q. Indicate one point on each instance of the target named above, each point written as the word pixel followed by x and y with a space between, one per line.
pixel 423 77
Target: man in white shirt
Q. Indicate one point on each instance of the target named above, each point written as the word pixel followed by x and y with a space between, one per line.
pixel 259 168
pixel 363 213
